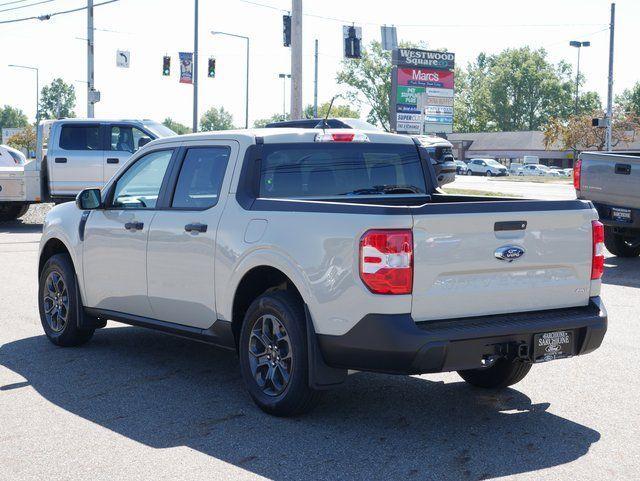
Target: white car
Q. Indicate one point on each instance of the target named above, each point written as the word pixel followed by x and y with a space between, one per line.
pixel 10 157
pixel 537 169
pixel 488 167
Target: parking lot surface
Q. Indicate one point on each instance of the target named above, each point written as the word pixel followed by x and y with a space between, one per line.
pixel 137 404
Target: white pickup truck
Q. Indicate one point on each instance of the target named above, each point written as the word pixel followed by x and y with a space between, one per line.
pixel 312 253
pixel 72 155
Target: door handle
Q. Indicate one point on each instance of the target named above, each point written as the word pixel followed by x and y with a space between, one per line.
pixel 61 160
pixel 196 227
pixel 134 225
pixel 113 161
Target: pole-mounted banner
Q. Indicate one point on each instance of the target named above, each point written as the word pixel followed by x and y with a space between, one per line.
pixel 186 67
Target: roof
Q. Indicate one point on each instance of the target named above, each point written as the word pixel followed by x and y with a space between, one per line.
pixel 76 119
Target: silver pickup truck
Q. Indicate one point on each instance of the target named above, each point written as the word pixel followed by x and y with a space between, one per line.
pixel 612 182
pixel 313 253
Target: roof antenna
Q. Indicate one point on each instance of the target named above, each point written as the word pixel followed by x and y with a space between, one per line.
pixel 323 124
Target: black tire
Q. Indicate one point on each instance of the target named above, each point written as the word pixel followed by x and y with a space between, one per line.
pixel 65 334
pixel 296 397
pixel 489 174
pixel 502 374
pixel 9 212
pixel 469 172
pixel 620 246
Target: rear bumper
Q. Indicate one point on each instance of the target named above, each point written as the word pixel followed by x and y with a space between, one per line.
pixel 396 344
pixel 606 217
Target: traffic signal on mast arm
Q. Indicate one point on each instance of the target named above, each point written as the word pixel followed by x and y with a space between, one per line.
pixel 286 30
pixel 212 67
pixel 352 39
pixel 166 65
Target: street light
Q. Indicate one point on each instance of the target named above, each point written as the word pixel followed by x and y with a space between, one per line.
pixel 578 45
pixel 246 110
pixel 35 69
pixel 284 77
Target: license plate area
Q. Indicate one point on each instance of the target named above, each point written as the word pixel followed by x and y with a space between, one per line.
pixel 621 215
pixel 548 346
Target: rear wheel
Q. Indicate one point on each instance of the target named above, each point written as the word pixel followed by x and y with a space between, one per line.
pixel 59 304
pixel 620 245
pixel 469 172
pixel 502 374
pixel 273 355
pixel 489 173
pixel 10 212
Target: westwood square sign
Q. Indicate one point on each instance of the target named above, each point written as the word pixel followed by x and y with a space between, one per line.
pixel 422 91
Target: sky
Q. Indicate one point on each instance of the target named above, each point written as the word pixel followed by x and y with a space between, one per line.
pixel 150 29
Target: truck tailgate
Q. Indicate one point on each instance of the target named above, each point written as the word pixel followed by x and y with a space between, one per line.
pixel 611 179
pixel 458 274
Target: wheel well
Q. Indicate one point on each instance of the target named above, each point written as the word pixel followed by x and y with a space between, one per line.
pixel 51 248
pixel 255 283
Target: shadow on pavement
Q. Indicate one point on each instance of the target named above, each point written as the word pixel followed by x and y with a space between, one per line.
pixel 163 392
pixel 622 271
pixel 19 227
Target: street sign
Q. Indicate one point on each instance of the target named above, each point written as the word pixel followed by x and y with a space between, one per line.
pixel 123 58
pixel 422 91
pixel 389 37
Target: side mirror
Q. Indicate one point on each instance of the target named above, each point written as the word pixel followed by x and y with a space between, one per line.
pixel 89 199
pixel 143 141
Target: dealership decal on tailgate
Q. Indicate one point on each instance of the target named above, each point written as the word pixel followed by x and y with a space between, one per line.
pixel 552 345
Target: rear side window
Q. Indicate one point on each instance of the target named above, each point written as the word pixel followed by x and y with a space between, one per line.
pixel 327 170
pixel 80 137
pixel 201 177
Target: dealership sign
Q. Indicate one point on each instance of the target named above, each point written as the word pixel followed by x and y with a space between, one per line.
pixel 422 91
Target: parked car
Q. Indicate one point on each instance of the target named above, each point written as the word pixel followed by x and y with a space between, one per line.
pixel 461 167
pixel 515 168
pixel 72 154
pixel 315 252
pixel 536 169
pixel 612 182
pixel 568 172
pixel 10 157
pixel 488 167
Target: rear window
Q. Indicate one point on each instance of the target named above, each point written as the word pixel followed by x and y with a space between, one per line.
pixel 80 137
pixel 327 170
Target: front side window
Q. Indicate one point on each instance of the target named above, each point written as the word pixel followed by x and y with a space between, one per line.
pixel 326 170
pixel 126 138
pixel 201 177
pixel 139 187
pixel 80 137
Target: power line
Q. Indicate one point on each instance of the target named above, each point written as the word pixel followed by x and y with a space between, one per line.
pixel 49 15
pixel 11 3
pixel 26 6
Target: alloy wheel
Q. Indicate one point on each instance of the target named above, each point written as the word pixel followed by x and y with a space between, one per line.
pixel 56 302
pixel 270 355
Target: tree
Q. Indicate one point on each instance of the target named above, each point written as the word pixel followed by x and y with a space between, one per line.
pixel 370 78
pixel 25 140
pixel 57 100
pixel 11 117
pixel 577 133
pixel 261 123
pixel 336 111
pixel 629 100
pixel 216 119
pixel 177 127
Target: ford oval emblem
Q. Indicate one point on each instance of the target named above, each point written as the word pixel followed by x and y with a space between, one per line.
pixel 509 253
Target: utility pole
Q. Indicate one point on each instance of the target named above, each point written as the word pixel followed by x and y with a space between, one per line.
pixel 195 69
pixel 609 119
pixel 315 82
pixel 296 59
pixel 90 78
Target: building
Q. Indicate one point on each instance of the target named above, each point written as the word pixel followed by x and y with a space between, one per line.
pixel 508 147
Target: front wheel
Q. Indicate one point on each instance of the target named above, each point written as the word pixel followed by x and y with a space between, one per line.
pixel 59 303
pixel 620 245
pixel 502 374
pixel 469 172
pixel 273 355
pixel 489 173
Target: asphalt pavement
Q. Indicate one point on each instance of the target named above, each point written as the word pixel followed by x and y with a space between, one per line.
pixel 136 404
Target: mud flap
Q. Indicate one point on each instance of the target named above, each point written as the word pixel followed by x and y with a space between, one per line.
pixel 321 376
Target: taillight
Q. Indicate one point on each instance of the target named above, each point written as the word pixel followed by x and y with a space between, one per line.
pixel 577 171
pixel 386 261
pixel 597 261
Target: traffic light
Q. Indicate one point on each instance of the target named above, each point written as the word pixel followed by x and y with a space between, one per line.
pixel 352 38
pixel 166 65
pixel 286 30
pixel 212 67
